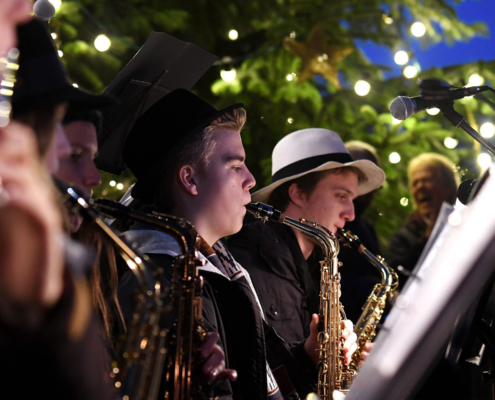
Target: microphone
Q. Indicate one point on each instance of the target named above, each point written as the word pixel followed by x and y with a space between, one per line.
pixel 464 190
pixel 43 10
pixel 403 107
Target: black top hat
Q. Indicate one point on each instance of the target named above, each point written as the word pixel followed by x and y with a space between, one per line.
pixel 41 78
pixel 161 133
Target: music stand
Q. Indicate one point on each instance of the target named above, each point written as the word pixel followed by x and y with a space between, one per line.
pixel 442 288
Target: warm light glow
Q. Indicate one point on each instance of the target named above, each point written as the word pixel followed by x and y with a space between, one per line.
pixel 228 75
pixel 396 121
pixel 102 43
pixel 418 29
pixel 450 143
pixel 433 111
pixel 120 186
pixel 394 157
pixel 487 130
pixel 112 183
pixel 475 80
pixel 388 20
pixel 233 34
pixel 54 35
pixel 60 53
pixel 401 57
pixel 75 85
pixel 404 202
pixel 56 4
pixel 291 76
pixel 362 88
pixel 484 160
pixel 290 120
pixel 410 72
pixel 292 35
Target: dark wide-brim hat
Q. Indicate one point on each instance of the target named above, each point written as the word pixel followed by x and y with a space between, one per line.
pixel 41 80
pixel 161 133
pixel 312 150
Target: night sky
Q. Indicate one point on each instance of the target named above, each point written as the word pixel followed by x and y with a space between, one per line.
pixel 441 54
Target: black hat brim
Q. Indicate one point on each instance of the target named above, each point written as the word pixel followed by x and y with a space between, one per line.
pixel 77 99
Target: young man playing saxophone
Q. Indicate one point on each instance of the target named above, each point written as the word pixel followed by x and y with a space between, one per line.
pixel 189 161
pixel 315 178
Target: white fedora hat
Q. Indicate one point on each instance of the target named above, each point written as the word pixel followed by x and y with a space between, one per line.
pixel 312 150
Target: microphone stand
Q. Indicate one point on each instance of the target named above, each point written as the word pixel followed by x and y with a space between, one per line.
pixel 456 119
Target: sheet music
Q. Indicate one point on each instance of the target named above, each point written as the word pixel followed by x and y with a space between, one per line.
pixel 446 283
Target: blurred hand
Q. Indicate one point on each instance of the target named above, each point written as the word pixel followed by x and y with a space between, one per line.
pixel 214 366
pixel 31 249
pixel 367 347
pixel 349 336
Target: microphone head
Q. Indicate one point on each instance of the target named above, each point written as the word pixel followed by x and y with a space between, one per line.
pixel 402 107
pixel 43 10
pixel 464 190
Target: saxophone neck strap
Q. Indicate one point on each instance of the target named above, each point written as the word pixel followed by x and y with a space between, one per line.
pixel 300 376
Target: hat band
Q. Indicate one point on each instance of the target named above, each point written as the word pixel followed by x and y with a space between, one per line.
pixel 307 164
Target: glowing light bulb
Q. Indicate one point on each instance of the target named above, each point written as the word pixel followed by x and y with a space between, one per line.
pixel 394 157
pixel 120 186
pixel 75 85
pixel 362 88
pixel 450 143
pixel 56 3
pixel 487 130
pixel 60 53
pixel 290 77
pixel 290 120
pixel 404 202
pixel 228 75
pixel 388 20
pixel 410 72
pixel 396 121
pixel 433 111
pixel 418 29
pixel 102 43
pixel 54 35
pixel 233 34
pixel 475 80
pixel 401 57
pixel 112 183
pixel 484 160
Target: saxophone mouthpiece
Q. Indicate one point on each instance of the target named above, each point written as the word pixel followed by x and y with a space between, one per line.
pixel 265 212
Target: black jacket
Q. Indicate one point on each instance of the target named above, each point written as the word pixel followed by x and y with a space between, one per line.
pixel 271 254
pixel 229 308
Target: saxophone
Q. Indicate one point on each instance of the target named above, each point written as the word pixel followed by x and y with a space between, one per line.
pixel 365 327
pixel 149 351
pixel 140 354
pixel 333 374
pixel 177 354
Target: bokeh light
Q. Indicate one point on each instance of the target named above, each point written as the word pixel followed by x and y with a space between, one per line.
pixel 362 88
pixel 102 43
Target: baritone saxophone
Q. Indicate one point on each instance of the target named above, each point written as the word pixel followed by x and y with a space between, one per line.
pixel 333 374
pixel 373 309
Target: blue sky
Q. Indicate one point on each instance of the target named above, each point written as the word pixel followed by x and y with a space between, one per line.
pixel 441 54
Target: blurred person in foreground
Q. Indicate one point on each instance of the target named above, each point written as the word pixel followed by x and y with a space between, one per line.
pixel 433 180
pixel 48 333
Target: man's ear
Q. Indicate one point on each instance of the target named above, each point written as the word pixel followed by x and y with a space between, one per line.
pixel 188 180
pixel 296 195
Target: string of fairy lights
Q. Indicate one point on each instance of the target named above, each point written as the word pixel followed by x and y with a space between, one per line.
pixel 402 57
